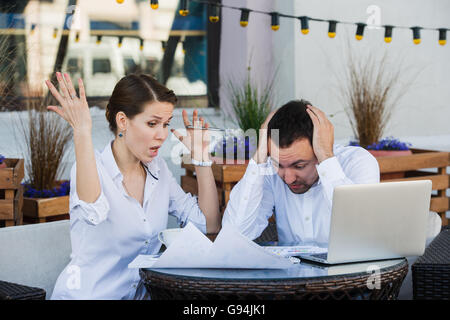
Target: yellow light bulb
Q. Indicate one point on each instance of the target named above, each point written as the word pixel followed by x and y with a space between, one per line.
pixel 119 1
pixel 244 23
pixel 416 41
pixel 214 19
pixel 275 28
pixel 305 31
pixel 184 13
pixel 388 39
pixel 154 6
pixel 358 37
pixel 442 42
pixel 332 34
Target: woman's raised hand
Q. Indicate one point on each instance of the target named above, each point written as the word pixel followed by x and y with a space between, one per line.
pixel 73 109
pixel 196 140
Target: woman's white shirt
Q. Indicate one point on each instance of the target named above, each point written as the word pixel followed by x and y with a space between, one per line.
pixel 108 234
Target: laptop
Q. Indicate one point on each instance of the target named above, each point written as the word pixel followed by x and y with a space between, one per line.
pixel 377 221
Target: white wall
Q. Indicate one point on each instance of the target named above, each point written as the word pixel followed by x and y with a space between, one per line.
pixel 310 66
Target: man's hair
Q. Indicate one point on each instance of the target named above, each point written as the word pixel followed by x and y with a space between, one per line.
pixel 293 123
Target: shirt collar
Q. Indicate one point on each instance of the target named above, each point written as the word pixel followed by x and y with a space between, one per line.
pixel 113 170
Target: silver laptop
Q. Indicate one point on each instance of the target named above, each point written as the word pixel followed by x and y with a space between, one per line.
pixel 377 221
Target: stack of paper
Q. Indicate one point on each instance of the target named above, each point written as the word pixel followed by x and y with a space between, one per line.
pixel 192 249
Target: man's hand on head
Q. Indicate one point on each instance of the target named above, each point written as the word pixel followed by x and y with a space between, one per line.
pixel 323 135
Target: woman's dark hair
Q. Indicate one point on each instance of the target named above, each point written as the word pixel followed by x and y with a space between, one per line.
pixel 293 123
pixel 130 95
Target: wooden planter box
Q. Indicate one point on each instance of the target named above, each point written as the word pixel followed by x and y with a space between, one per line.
pixel 409 167
pixel 38 210
pixel 11 192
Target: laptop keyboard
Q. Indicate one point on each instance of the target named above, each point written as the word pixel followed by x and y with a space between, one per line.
pixel 320 255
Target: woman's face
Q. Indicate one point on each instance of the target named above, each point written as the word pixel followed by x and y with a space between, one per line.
pixel 147 131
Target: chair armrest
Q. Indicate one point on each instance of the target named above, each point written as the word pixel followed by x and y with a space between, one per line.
pixel 14 291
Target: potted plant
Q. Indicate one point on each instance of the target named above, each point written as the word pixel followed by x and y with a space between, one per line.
pixel 46 139
pixel 251 104
pixel 371 90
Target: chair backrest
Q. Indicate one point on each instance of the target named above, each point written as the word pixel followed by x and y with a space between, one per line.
pixel 34 255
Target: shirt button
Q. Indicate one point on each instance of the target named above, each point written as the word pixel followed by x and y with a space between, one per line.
pixel 146 242
pixel 307 218
pixel 134 286
pixel 145 220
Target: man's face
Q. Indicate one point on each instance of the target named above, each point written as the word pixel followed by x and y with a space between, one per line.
pixel 296 164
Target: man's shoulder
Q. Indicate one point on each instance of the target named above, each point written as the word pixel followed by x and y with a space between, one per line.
pixel 344 152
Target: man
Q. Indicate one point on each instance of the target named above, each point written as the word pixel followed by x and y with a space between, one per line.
pixel 297 180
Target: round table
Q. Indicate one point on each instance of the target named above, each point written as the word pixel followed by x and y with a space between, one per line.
pixel 373 280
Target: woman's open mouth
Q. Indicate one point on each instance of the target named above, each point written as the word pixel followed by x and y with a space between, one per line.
pixel 154 150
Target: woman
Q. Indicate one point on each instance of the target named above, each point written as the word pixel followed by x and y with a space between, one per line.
pixel 120 199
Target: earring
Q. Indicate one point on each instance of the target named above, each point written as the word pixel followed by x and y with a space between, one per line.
pixel 121 134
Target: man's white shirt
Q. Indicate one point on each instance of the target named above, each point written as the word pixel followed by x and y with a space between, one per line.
pixel 300 218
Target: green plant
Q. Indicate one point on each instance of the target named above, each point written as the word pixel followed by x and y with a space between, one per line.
pixel 251 103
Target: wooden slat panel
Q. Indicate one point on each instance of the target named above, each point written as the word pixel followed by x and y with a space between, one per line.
pixel 439 204
pixel 413 162
pixel 6 209
pixel 440 182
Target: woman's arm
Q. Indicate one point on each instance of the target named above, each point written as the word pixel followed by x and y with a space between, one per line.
pixel 208 199
pixel 76 112
pixel 197 141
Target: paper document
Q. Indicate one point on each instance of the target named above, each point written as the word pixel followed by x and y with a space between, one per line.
pixel 192 249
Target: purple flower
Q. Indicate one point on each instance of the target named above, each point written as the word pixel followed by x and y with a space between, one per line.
pixel 389 143
pixel 62 190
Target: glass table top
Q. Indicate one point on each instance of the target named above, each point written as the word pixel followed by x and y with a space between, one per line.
pixel 299 270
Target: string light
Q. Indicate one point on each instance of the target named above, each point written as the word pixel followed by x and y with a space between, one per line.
pixel 99 39
pixel 55 33
pixel 245 13
pixel 183 47
pixel 360 31
pixel 184 11
pixel 332 28
pixel 388 34
pixel 416 34
pixel 33 27
pixel 154 4
pixel 304 23
pixel 214 8
pixel 77 37
pixel 119 44
pixel 141 45
pixel 163 45
pixel 442 36
pixel 275 21
pixel 214 12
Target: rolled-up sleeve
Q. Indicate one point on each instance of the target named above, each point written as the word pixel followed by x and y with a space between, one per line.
pixel 184 206
pixel 92 213
pixel 251 200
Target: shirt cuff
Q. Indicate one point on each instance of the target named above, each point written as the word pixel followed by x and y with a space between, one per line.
pixel 93 213
pixel 330 169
